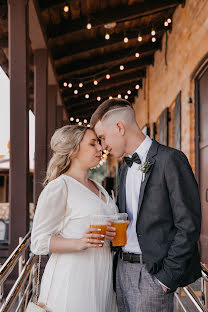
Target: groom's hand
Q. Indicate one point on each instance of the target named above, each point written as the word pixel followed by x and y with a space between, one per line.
pixel 110 232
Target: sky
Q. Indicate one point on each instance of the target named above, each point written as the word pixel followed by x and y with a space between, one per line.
pixel 5 118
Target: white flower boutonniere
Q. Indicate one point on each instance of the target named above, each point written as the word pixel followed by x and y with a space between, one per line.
pixel 144 167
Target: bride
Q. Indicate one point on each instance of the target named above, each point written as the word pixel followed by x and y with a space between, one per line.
pixel 78 275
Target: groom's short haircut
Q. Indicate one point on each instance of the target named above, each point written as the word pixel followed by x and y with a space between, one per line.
pixel 109 106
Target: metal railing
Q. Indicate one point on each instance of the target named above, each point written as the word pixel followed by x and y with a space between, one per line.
pixel 24 286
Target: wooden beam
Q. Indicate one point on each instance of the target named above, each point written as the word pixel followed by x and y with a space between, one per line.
pixel 112 90
pixel 83 66
pixel 109 15
pixel 59 52
pixel 4 42
pixel 116 80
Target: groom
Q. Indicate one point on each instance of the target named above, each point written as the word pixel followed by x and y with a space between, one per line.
pixel 158 190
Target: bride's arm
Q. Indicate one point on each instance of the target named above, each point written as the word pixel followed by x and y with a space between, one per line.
pixel 48 223
pixel 67 245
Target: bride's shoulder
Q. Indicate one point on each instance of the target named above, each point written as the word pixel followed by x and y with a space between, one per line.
pixel 54 185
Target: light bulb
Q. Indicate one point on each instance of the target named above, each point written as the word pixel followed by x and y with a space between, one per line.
pixel 166 24
pixel 121 67
pixel 89 26
pixel 107 36
pixel 129 91
pixel 70 85
pixel 75 91
pixel 66 9
pixel 139 38
pixel 77 120
pixel 126 39
pixel 95 82
pixel 107 76
pixel 98 98
pixel 85 120
pixel 80 84
pixel 137 87
pixel 65 84
pixel 153 39
pixel 169 20
pixel 126 97
pixel 88 125
pixel 87 96
pixel 119 96
pixel 80 123
pixel 137 54
pixel 110 97
pixel 72 119
pixel 153 33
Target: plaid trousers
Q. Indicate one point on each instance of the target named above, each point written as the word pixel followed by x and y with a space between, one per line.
pixel 139 291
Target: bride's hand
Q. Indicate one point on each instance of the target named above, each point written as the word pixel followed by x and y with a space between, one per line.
pixel 91 240
pixel 110 232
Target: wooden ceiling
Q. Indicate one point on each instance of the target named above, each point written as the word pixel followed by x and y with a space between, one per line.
pixel 82 55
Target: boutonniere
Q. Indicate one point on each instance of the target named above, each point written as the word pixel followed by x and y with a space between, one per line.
pixel 145 166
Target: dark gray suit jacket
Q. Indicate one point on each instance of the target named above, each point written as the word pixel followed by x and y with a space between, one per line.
pixel 169 217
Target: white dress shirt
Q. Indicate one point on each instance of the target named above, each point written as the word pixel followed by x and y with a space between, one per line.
pixel 133 183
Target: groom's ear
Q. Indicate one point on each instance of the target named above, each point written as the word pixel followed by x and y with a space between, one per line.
pixel 120 127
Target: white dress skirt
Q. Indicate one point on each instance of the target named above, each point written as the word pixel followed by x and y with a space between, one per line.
pixel 82 281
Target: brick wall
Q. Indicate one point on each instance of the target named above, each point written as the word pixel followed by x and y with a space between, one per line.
pixel 187 45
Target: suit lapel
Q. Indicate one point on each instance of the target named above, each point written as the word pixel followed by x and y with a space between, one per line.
pixel 152 152
pixel 122 203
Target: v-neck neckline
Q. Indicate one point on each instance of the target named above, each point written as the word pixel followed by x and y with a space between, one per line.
pixel 85 187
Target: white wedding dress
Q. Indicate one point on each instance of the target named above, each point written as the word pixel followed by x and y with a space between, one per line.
pixel 82 281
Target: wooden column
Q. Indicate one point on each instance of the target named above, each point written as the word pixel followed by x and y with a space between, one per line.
pixel 59 117
pixel 52 101
pixel 19 120
pixel 40 105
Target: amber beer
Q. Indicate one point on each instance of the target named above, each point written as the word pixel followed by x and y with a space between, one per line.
pixel 99 222
pixel 120 224
pixel 120 238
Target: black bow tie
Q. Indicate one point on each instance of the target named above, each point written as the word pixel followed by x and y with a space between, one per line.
pixel 135 158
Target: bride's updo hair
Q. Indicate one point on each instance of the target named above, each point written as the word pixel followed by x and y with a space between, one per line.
pixel 65 144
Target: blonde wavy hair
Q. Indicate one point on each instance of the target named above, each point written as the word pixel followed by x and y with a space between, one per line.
pixel 65 144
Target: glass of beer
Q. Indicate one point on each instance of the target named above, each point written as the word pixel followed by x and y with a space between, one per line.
pixel 99 222
pixel 119 222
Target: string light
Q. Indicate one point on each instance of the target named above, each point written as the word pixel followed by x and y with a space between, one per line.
pixel 98 98
pixel 95 82
pixel 85 120
pixel 121 67
pixel 166 24
pixel 77 120
pixel 137 54
pixel 169 20
pixel 107 36
pixel 153 39
pixel 88 125
pixel 137 87
pixel 89 26
pixel 72 119
pixel 126 97
pixel 87 96
pixel 66 9
pixel 139 38
pixel 119 96
pixel 129 91
pixel 153 32
pixel 110 97
pixel 65 84
pixel 107 76
pixel 80 123
pixel 126 39
pixel 75 91
pixel 80 84
pixel 70 85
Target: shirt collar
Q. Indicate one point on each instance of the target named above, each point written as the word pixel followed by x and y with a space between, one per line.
pixel 143 148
